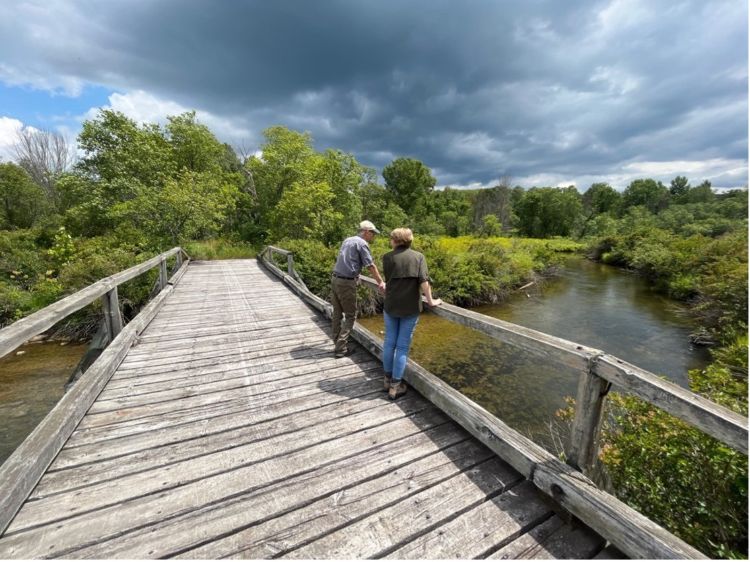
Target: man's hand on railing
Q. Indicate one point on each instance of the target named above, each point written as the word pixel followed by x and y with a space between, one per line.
pixel 381 287
pixel 434 303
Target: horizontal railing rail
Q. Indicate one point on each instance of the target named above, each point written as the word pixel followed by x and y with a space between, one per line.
pixel 22 330
pixel 23 469
pixel 597 369
pixel 631 532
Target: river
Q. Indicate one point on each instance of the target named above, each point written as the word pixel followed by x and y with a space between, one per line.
pixel 31 383
pixel 589 303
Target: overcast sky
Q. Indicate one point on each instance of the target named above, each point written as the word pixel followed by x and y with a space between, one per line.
pixel 543 92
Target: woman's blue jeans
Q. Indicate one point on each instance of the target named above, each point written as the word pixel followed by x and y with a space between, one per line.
pixel 398 334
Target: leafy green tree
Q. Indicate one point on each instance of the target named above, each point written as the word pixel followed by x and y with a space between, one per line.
pixel 647 192
pixel 408 181
pixel 601 198
pixel 491 226
pixel 346 177
pixel 306 212
pixel 195 148
pixel 22 202
pixel 549 211
pixel 118 150
pixel 494 201
pixel 700 194
pixel 193 205
pixel 678 187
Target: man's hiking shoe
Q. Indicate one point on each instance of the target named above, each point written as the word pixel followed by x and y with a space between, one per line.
pixel 345 353
pixel 386 383
pixel 397 388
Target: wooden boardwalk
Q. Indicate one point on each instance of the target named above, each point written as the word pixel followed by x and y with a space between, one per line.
pixel 229 430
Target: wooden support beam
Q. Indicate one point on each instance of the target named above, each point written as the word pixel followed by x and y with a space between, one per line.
pixel 583 444
pixel 112 315
pixel 163 275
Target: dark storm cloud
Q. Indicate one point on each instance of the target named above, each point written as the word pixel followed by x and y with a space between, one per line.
pixel 537 90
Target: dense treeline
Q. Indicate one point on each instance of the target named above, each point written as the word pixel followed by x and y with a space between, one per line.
pixel 138 189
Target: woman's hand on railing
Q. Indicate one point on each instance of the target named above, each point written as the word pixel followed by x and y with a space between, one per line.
pixel 434 302
pixel 381 287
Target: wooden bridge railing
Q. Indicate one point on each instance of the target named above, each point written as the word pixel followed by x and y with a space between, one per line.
pixel 627 529
pixel 23 469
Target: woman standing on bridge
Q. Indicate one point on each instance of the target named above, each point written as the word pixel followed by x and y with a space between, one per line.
pixel 405 274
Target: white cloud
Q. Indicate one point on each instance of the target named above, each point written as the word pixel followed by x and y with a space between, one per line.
pixel 144 107
pixel 9 128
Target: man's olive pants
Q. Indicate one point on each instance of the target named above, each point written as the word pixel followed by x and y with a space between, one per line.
pixel 344 302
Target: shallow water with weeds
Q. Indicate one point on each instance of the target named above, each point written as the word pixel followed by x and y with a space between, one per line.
pixel 589 303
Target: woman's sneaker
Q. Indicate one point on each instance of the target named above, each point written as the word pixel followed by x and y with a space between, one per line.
pixel 398 388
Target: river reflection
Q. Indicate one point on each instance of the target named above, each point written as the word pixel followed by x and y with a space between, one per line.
pixel 593 304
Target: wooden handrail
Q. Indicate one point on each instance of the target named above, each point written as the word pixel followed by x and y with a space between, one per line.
pixel 711 418
pixel 23 469
pixel 631 532
pixel 20 331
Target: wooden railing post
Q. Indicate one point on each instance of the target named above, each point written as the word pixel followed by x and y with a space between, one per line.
pixel 112 315
pixel 179 260
pixel 163 277
pixel 290 264
pixel 584 434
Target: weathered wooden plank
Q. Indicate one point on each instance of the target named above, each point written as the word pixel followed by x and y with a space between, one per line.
pixel 309 336
pixel 213 453
pixel 309 522
pixel 251 464
pixel 382 532
pixel 242 381
pixel 219 330
pixel 22 470
pixel 179 347
pixel 333 384
pixel 319 348
pixel 240 349
pixel 552 540
pixel 114 459
pixel 169 538
pixel 132 390
pixel 238 344
pixel 135 384
pixel 116 529
pixel 496 521
pixel 20 331
pixel 717 421
pixel 209 413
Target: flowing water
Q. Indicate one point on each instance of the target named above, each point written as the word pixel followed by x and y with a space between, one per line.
pixel 593 304
pixel 589 303
pixel 31 383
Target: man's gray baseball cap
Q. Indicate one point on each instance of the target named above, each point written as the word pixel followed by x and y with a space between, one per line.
pixel 367 225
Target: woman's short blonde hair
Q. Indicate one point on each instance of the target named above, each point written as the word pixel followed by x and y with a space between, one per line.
pixel 402 236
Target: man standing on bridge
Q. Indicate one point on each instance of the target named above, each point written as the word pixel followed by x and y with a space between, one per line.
pixel 353 256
